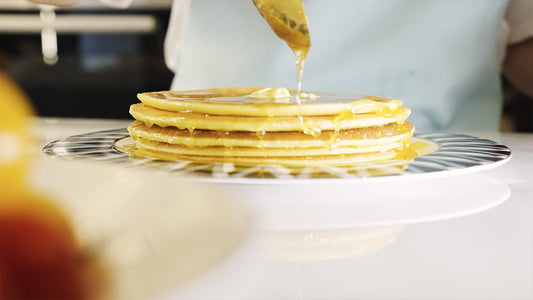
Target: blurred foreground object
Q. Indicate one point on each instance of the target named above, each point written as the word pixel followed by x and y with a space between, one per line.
pixel 143 232
pixel 131 234
pixel 39 257
pixel 15 135
pixel 91 231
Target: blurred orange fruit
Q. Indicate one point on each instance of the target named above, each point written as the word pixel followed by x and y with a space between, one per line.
pixel 16 139
pixel 39 257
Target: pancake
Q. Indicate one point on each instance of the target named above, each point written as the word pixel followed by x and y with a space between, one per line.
pixel 233 101
pixel 264 152
pixel 194 120
pixel 256 127
pixel 165 153
pixel 358 138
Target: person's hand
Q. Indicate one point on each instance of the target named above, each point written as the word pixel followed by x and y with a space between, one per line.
pixel 56 2
pixel 518 66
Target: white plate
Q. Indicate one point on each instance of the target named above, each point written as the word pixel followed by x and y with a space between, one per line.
pixel 436 186
pixel 454 154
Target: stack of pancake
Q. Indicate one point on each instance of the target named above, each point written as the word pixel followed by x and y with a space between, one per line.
pixel 250 127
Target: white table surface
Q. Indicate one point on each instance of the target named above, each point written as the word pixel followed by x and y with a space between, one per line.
pixel 484 255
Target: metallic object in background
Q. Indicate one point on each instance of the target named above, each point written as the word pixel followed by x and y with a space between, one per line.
pixel 80 23
pixel 48 35
pixel 25 5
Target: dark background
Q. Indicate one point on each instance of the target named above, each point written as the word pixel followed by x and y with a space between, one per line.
pixel 96 76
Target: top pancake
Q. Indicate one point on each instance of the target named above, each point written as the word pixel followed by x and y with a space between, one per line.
pixel 235 102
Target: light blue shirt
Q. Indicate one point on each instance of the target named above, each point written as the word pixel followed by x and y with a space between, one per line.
pixel 441 57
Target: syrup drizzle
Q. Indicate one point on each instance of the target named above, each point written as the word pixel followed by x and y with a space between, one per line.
pixel 300 55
